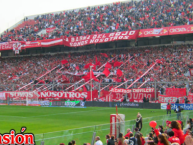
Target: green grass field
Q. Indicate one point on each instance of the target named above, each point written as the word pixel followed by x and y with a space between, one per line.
pixel 58 124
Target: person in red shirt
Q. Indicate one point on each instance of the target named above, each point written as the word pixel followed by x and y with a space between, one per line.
pixel 142 139
pixel 168 108
pixel 128 133
pixel 162 140
pixel 172 138
pixel 176 128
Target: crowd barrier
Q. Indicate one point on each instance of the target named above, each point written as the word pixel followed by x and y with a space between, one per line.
pixel 174 106
pixel 106 104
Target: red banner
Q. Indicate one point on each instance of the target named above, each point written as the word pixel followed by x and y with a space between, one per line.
pixel 134 95
pixel 169 99
pixel 153 32
pixel 100 38
pixel 50 30
pixel 6 46
pixel 53 94
pixel 176 92
pixel 190 97
pixel 185 29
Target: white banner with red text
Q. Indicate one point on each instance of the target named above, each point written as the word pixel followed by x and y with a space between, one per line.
pixel 133 95
pixel 51 95
pixel 170 99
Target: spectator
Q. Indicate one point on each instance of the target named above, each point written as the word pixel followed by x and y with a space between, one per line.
pixel 176 128
pixel 188 140
pixel 188 125
pixel 98 141
pixel 120 139
pixel 107 138
pixel 111 141
pixel 160 128
pixel 138 139
pixel 73 142
pixel 128 133
pixel 132 140
pixel 172 138
pixel 70 143
pixel 142 139
pixel 162 140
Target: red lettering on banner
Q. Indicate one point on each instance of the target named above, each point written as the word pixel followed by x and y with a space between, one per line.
pixel 170 99
pixel 134 95
pixel 176 92
pixel 53 94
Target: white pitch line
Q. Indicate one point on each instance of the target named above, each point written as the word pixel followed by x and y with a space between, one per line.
pixel 11 116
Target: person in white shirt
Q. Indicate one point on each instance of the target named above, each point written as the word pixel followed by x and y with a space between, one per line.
pixel 98 141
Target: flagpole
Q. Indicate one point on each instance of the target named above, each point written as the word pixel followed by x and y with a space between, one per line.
pixel 91 81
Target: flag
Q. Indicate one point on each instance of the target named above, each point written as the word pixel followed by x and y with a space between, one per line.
pixel 89 76
pixel 77 67
pixel 90 64
pixel 117 63
pixel 98 63
pixel 158 61
pixel 87 66
pixel 104 54
pixel 64 61
pixel 119 73
pixel 41 82
pixel 108 65
pixel 157 31
pixel 106 72
pixel 84 89
pixel 65 79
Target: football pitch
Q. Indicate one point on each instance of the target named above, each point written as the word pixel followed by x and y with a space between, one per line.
pixel 54 125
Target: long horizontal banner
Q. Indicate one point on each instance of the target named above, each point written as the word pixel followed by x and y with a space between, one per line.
pixel 174 30
pixel 100 38
pixel 82 74
pixel 170 99
pixel 51 94
pixel 134 95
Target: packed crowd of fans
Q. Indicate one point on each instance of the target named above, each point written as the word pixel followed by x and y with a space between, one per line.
pixel 131 15
pixel 175 64
pixel 174 133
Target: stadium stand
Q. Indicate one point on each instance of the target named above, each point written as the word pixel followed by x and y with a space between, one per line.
pixel 176 63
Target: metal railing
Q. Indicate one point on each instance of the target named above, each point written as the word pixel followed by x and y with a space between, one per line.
pixel 84 135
